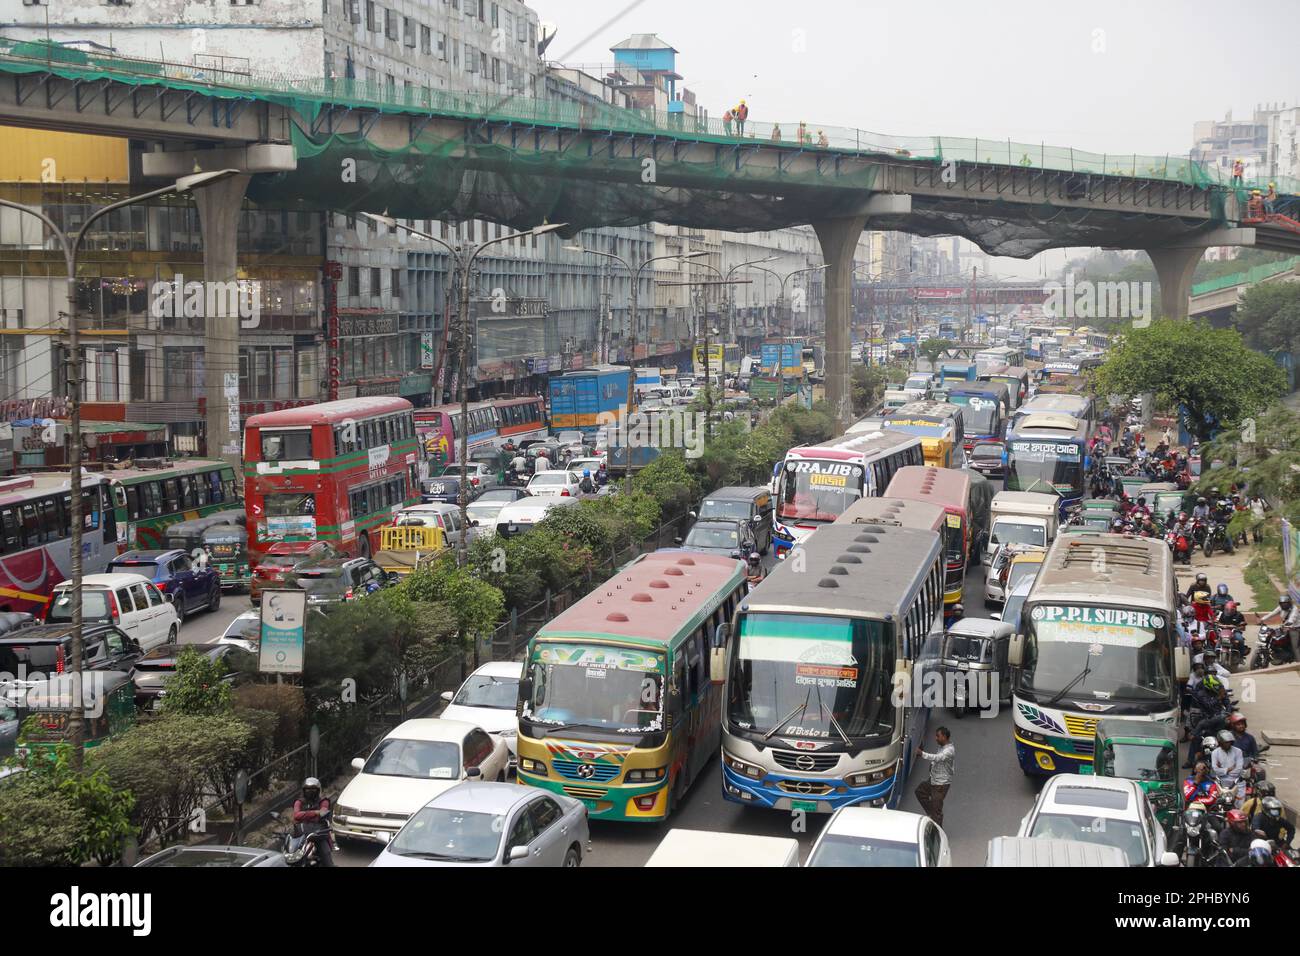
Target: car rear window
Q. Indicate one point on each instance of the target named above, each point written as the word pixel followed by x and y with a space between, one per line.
pixel 1102 799
pixel 94 607
pixel 558 478
pixel 24 659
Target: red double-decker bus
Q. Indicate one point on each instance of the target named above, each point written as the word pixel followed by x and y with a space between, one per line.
pixel 331 472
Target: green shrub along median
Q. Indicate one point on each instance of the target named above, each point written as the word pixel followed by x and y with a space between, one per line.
pixel 153 778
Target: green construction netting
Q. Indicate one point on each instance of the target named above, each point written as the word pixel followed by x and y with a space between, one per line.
pixel 1248 277
pixel 308 94
pixel 461 178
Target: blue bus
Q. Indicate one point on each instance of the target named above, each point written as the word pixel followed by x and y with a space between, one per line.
pixel 984 412
pixel 579 399
pixel 1047 451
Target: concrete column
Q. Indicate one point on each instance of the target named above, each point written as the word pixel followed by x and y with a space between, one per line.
pixel 1174 268
pixel 219 207
pixel 839 239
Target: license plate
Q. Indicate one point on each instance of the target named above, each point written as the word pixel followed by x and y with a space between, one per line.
pixel 809 806
pixel 436 489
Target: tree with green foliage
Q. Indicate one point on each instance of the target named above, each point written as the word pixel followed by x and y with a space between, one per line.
pixel 196 686
pixel 475 605
pixel 1269 464
pixel 101 815
pixel 670 481
pixel 867 383
pixel 40 825
pixel 1207 372
pixel 934 349
pixel 1268 317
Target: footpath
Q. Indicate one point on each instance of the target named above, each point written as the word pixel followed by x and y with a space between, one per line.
pixel 1269 698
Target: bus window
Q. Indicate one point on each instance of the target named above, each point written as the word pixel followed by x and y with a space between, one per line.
pixel 150 500
pixel 10 535
pixel 228 489
pixel 202 489
pixel 66 525
pixel 188 498
pixel 171 497
pixel 31 523
pixel 89 510
pixel 286 445
pixel 51 523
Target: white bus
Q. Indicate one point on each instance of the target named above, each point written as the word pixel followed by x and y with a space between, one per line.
pixel 811 718
pixel 816 483
pixel 1097 640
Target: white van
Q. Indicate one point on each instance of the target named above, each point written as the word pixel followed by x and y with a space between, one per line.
pixel 1021 517
pixel 128 600
pixel 434 515
pixel 519 516
pixel 705 848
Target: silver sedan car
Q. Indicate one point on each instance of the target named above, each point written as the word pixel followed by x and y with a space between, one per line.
pixel 491 824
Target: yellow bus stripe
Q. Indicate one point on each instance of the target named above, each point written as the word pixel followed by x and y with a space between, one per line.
pixel 25 595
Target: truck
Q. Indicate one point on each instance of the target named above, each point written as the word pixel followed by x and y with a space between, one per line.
pixel 1022 517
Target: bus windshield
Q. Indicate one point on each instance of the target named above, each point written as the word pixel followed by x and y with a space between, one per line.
pixel 607 688
pixel 1097 652
pixel 981 414
pixel 1046 466
pixel 819 490
pixel 805 675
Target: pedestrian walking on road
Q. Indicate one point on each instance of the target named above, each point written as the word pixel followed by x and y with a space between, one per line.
pixel 931 794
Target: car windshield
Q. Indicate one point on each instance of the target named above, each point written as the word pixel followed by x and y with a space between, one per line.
pixel 1022 571
pixel 987 451
pixel 94 607
pixel 840 849
pixel 435 833
pixel 713 538
pixel 428 759
pixel 1124 834
pixel 1139 762
pixel 1014 532
pixel 487 690
pixel 617 689
pixel 249 629
pixel 723 508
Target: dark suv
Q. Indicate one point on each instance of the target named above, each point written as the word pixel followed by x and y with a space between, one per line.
pixel 333 581
pixel 47 648
pixel 188 586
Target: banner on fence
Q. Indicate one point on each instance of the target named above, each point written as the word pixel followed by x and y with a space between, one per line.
pixel 284 632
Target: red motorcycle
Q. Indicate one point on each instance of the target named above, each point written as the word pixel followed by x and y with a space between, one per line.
pixel 1180 545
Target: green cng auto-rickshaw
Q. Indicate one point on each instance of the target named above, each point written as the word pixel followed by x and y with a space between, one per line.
pixel 1145 751
pixel 227 549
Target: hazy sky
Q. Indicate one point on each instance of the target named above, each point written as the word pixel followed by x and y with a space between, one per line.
pixel 1101 75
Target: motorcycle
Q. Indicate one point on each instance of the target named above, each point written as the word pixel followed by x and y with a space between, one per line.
pixel 1200 847
pixel 1272 647
pixel 1231 645
pixel 303 849
pixel 1180 546
pixel 1216 536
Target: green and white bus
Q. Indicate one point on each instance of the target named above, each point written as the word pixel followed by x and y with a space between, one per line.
pixel 149 500
pixel 1098 641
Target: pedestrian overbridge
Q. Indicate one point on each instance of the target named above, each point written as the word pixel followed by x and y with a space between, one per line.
pixel 520 161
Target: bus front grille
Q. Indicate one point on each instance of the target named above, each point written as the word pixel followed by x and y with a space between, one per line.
pixel 808 763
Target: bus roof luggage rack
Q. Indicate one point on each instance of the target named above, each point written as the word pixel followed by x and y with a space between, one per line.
pixel 1113 555
pixel 151 464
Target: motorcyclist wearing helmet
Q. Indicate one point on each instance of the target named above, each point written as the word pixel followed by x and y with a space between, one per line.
pixel 1210 697
pixel 1271 822
pixel 1235 838
pixel 1198 595
pixel 1227 761
pixel 587 486
pixel 1231 615
pixel 754 569
pixel 1254 804
pixel 1221 597
pixel 308 813
pixel 1260 854
pixel 1246 742
pixel 1288 615
pixel 1201 512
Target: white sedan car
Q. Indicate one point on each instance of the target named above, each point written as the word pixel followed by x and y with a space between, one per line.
pixel 554 484
pixel 872 836
pixel 488 698
pixel 245 631
pixel 418 760
pixel 1108 810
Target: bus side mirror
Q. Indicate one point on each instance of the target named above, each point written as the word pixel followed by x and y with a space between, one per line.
pixel 1182 663
pixel 1016 650
pixel 720 635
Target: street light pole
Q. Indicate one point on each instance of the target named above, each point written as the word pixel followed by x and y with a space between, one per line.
pixel 75 519
pixel 633 302
pixel 464 257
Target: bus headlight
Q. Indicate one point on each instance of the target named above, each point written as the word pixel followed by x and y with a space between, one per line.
pixel 1030 736
pixel 748 769
pixel 868 777
pixel 645 776
pixel 529 765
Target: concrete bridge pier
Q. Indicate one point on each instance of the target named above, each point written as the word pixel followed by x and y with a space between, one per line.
pixel 1176 263
pixel 839 239
pixel 219 207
